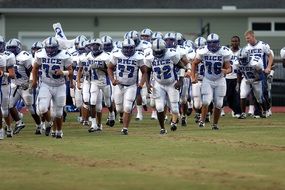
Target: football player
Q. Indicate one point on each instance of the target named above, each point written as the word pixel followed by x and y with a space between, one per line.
pixel 166 85
pixel 216 59
pixel 22 89
pixel 126 63
pixel 251 68
pixel 100 84
pixel 262 50
pixel 2 65
pixel 56 64
pixel 145 47
pixel 9 73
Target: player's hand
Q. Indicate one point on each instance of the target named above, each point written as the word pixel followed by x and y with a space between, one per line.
pixel 140 86
pixel 1 73
pixel 149 89
pixel 78 85
pixel 178 85
pixel 224 71
pixel 115 82
pixel 194 80
pixel 58 72
pixel 267 70
pixel 188 74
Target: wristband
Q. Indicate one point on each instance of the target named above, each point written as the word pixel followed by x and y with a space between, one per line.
pixel 65 73
pixel 181 72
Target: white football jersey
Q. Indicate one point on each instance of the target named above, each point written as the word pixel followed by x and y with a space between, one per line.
pixel 260 49
pixel 83 62
pixel 22 67
pixel 163 69
pixel 9 61
pixel 234 61
pixel 250 70
pixel 50 64
pixel 127 67
pixel 98 66
pixel 200 68
pixel 213 62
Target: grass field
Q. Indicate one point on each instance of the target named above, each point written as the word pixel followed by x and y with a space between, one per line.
pixel 244 154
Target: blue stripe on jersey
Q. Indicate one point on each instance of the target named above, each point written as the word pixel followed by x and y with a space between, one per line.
pixel 264 59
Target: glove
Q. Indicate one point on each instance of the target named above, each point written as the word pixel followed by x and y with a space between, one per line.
pixel 270 78
pixel 249 81
pixel 237 87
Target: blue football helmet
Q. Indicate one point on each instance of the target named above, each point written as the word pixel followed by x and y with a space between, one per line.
pixel 96 46
pixel 244 56
pixel 213 42
pixel 35 47
pixel 107 43
pixel 134 35
pixel 14 45
pixel 2 44
pixel 200 42
pixel 128 47
pixel 51 46
pixel 158 48
pixel 170 40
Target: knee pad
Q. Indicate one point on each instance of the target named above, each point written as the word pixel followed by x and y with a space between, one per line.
pixel 128 108
pixel 119 108
pixel 58 111
pixel 42 109
pixel 197 103
pixel 174 107
pixel 219 103
pixel 5 112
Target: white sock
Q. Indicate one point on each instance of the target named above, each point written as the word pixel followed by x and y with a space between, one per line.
pixel 251 109
pixel 139 110
pixel 112 115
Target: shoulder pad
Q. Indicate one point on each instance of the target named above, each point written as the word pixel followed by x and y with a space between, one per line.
pixel 202 50
pixel 23 56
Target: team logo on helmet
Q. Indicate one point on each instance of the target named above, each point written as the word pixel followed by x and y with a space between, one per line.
pixel 158 48
pixel 213 42
pixel 128 47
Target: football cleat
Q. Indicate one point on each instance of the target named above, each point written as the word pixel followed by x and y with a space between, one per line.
pixel 163 131
pixel 173 126
pixel 53 134
pixel 197 117
pixel 215 127
pixel 19 127
pixel 92 129
pixel 124 131
pixel 208 116
pixel 59 135
pixel 201 124
pixel 38 130
pixel 242 116
pixel 47 131
pixel 183 121
pixel 111 123
pixel 9 133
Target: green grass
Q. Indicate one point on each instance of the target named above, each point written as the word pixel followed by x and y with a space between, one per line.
pixel 244 154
